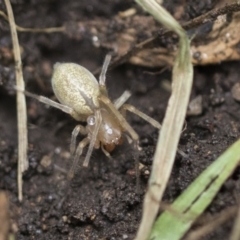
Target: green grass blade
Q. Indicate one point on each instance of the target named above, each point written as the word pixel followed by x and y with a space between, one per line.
pixel 196 198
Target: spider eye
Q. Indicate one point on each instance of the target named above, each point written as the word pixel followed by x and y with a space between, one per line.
pixel 91 120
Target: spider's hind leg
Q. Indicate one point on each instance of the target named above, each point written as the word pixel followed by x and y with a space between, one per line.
pixel 130 108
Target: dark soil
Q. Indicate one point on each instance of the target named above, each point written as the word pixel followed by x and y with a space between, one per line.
pixel 101 201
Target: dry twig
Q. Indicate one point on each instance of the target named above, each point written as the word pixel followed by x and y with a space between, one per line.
pixel 21 102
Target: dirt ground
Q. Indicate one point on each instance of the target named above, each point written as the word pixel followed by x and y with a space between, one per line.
pixel 101 201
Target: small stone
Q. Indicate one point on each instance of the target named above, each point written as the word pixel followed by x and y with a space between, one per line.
pixel 46 161
pixel 64 218
pixel 146 172
pixel 236 91
pixel 195 106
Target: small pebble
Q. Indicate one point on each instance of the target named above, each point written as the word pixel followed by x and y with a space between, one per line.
pixel 236 91
pixel 46 161
pixel 195 106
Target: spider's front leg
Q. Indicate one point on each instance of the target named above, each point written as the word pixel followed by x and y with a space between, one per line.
pixel 102 77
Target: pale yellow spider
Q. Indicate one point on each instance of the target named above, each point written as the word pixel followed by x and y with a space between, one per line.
pixel 86 100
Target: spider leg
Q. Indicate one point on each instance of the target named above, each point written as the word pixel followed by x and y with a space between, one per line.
pixel 94 139
pixel 78 129
pixel 142 115
pixel 98 118
pixel 49 102
pixel 102 77
pixel 122 99
pixel 152 121
pixel 107 154
pixel 79 151
pixel 128 139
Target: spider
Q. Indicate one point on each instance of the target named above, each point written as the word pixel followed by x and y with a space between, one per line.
pixel 86 100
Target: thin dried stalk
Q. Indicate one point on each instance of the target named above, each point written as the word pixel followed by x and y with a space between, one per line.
pixel 34 30
pixel 21 102
pixel 172 123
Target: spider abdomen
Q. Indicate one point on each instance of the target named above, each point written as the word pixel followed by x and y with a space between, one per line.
pixel 68 81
